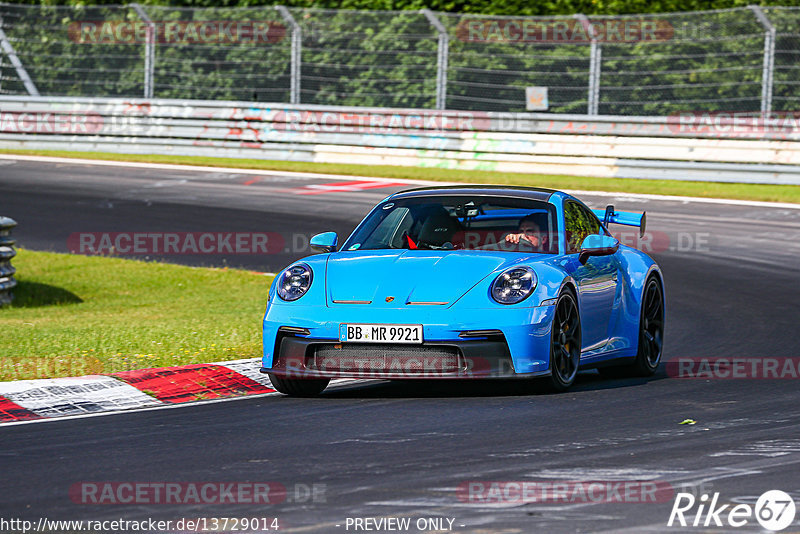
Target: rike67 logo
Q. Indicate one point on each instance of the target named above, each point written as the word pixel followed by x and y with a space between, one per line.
pixel 774 510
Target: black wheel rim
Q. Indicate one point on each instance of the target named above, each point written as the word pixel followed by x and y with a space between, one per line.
pixel 652 327
pixel 566 344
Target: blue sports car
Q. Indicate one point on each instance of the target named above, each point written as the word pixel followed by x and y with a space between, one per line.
pixel 467 282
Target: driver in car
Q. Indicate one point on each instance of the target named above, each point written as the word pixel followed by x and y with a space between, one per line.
pixel 528 233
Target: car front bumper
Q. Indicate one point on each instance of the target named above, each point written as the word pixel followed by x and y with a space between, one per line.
pixel 510 342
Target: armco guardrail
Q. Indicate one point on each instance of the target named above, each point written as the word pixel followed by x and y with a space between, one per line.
pixel 684 147
pixel 7 281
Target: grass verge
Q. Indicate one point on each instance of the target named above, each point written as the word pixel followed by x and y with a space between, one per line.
pixel 768 193
pixel 76 315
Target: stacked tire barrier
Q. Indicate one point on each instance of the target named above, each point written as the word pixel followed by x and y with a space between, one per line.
pixel 7 281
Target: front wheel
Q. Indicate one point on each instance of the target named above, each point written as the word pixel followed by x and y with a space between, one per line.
pixel 565 343
pixel 299 387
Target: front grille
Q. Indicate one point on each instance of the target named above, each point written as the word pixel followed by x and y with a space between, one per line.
pixel 406 360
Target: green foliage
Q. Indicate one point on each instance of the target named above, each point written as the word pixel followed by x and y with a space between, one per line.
pixel 231 71
pixel 710 61
pixel 43 40
pixel 497 7
pixel 787 58
pixel 368 58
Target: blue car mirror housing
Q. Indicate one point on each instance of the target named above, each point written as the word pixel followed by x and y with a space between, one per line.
pixel 324 242
pixel 597 245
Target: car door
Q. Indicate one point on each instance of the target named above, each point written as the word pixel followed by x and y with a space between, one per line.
pixel 597 279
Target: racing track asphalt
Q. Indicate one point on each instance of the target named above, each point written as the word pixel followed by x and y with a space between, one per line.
pixel 401 449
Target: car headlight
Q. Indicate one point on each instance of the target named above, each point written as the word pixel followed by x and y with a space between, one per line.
pixel 514 285
pixel 294 282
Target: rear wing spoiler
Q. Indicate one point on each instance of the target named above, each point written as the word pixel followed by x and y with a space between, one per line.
pixel 628 218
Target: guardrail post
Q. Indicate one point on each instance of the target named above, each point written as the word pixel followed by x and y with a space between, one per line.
pixel 595 57
pixel 296 55
pixel 149 50
pixel 7 282
pixel 769 60
pixel 5 46
pixel 442 56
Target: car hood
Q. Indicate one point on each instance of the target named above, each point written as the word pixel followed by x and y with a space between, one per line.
pixel 409 276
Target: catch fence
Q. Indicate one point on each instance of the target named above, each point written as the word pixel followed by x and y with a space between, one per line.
pixel 744 60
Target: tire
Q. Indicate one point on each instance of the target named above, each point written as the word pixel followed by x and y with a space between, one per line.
pixel 651 336
pixel 565 343
pixel 299 387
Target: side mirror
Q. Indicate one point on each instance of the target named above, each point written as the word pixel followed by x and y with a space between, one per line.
pixel 597 245
pixel 324 242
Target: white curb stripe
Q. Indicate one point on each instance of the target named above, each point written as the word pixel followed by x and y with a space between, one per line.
pixel 249 368
pixel 53 397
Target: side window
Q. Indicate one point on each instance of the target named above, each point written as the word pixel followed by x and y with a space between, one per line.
pixel 383 233
pixel 578 223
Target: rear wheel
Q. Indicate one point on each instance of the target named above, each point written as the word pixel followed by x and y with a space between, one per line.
pixel 299 387
pixel 651 335
pixel 565 343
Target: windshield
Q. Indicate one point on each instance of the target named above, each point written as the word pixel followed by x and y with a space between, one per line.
pixel 458 223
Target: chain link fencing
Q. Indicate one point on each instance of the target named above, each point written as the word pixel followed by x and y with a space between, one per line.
pixel 44 41
pixel 743 60
pixel 786 88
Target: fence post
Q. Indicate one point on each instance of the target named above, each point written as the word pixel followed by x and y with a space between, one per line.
pixel 149 50
pixel 7 282
pixel 296 57
pixel 5 46
pixel 442 56
pixel 595 57
pixel 769 60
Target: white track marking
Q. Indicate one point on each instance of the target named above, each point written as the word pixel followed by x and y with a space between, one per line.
pixel 293 174
pixel 54 397
pixel 201 168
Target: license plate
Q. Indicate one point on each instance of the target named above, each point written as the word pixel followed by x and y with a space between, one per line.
pixel 381 333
